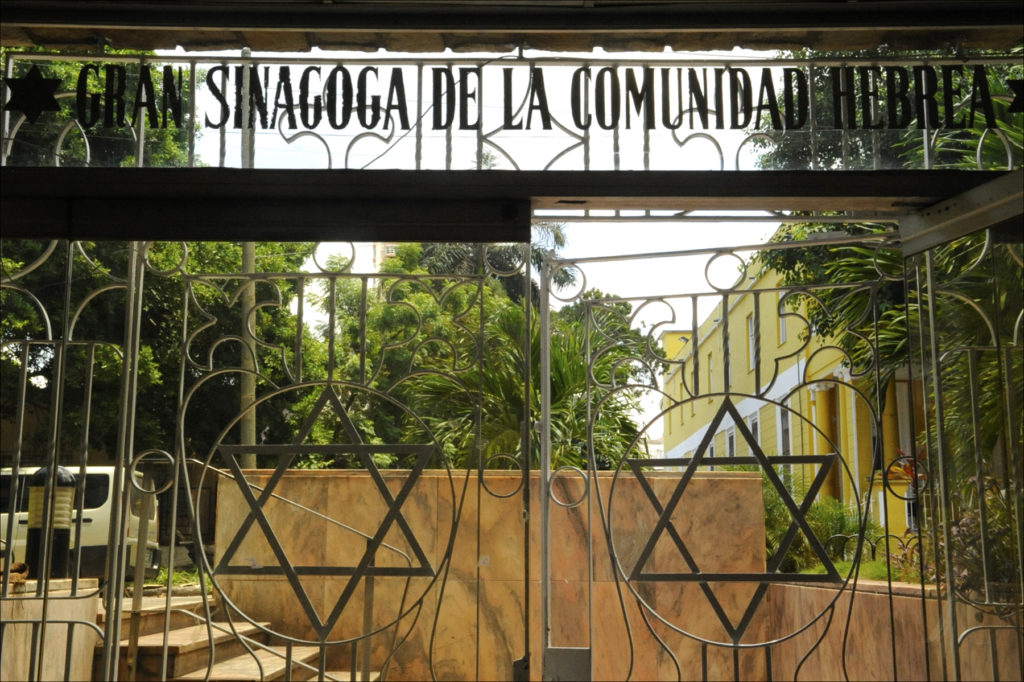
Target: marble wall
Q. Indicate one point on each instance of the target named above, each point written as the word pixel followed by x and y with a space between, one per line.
pixel 68 641
pixel 867 648
pixel 469 620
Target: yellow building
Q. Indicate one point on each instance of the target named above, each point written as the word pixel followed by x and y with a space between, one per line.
pixel 793 393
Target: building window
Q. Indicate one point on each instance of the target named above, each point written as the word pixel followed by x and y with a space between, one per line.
pixel 784 446
pixel 730 442
pixel 751 343
pixel 754 424
pixel 711 373
pixel 781 321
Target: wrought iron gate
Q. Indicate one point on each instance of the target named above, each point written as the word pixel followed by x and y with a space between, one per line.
pixel 810 385
pixel 418 553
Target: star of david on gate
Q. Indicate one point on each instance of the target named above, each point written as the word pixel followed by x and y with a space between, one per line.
pixel 797 525
pixel 33 94
pixel 286 453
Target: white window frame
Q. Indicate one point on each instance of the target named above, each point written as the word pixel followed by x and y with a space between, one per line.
pixel 781 327
pixel 751 342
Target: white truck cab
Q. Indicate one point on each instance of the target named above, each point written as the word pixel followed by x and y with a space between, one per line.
pixel 95 522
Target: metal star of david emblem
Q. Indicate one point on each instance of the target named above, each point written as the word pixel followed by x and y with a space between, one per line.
pixel 797 525
pixel 33 94
pixel 286 453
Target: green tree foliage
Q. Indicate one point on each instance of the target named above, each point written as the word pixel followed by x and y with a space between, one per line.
pixel 967 300
pixel 449 348
pixel 870 310
pixel 33 307
pixel 56 139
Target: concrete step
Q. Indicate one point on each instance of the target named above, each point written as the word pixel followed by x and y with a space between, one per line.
pixel 244 668
pixel 151 614
pixel 346 676
pixel 188 648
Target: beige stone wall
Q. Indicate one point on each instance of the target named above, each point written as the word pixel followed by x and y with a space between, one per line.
pixel 77 613
pixel 479 599
pixel 869 645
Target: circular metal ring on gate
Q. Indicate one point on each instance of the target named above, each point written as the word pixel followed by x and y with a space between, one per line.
pixel 178 267
pixel 577 289
pixel 487 467
pixel 134 467
pixel 586 487
pixel 906 466
pixel 710 276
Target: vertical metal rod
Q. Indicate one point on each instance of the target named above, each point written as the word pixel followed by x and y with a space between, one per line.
pixel 7 143
pixel 876 156
pixel 590 484
pixel 979 466
pixel 916 341
pixel 247 423
pixel 332 292
pixel 367 619
pixel 179 471
pixel 647 133
pixel 993 653
pixel 545 454
pixel 16 487
pixel 83 464
pixel 138 578
pixel 846 87
pixel 694 356
pixel 726 354
pixel 757 345
pixel 363 293
pixel 526 445
pixel 812 99
pixel 50 489
pixel 192 114
pixel 248 129
pixel 222 133
pixel 69 647
pixel 419 117
pixel 448 137
pixel 925 132
pixel 140 131
pixel 941 464
pixel 300 301
pixel 115 564
pixel 479 119
pixel 615 138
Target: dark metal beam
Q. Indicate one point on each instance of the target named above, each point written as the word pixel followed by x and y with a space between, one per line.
pixel 504 26
pixel 994 203
pixel 232 204
pixel 506 17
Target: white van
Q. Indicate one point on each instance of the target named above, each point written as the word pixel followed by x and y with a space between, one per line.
pixel 96 518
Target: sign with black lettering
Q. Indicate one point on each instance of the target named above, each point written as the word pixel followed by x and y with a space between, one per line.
pixel 519 97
